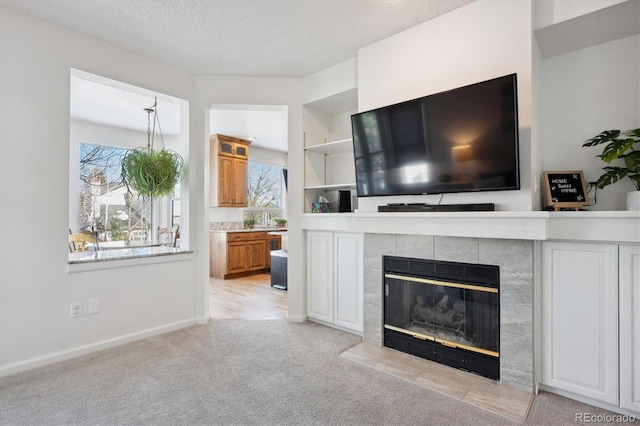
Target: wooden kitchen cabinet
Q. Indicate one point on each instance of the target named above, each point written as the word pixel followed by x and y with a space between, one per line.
pixel 238 253
pixel 228 177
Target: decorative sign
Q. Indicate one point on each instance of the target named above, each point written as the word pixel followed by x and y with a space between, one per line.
pixel 565 189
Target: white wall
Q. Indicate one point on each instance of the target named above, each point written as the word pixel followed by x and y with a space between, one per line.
pixel 267 91
pixel 486 39
pixel 601 94
pixel 35 289
pixel 536 149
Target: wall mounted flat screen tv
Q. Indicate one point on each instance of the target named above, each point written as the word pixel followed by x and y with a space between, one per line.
pixel 462 140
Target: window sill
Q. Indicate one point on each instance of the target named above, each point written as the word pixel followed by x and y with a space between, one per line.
pixel 107 259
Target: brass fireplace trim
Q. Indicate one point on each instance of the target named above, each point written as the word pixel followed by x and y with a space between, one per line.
pixel 444 342
pixel 443 283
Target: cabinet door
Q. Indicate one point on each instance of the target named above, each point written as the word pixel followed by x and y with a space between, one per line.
pixel 580 319
pixel 237 257
pixel 225 181
pixel 226 148
pixel 241 151
pixel 348 261
pixel 240 183
pixel 257 255
pixel 320 275
pixel 630 327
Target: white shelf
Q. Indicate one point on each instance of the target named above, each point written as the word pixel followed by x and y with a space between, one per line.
pixel 336 104
pixel 604 25
pixel 334 187
pixel 331 148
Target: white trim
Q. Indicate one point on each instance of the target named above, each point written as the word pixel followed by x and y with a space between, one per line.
pixel 588 401
pixel 338 327
pixel 95 265
pixel 204 319
pixel 93 347
pixel 296 318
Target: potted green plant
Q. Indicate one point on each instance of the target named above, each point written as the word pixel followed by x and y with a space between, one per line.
pixel 150 172
pixel 280 222
pixel 621 145
pixel 249 223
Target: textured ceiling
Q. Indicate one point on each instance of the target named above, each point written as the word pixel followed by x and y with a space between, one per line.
pixel 267 38
pixel 270 38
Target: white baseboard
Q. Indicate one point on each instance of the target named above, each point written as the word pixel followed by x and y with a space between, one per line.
pixel 337 327
pixel 41 361
pixel 205 319
pixel 588 401
pixel 296 318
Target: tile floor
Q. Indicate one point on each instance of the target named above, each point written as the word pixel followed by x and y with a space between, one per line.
pixel 475 390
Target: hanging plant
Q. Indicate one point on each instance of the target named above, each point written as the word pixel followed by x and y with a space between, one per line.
pixel 151 173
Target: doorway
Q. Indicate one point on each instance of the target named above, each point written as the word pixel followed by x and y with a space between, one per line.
pixel 250 297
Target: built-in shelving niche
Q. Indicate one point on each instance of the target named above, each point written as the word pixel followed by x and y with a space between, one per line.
pixel 328 149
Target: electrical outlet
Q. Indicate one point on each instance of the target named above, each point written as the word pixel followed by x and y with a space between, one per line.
pixel 76 309
pixel 94 306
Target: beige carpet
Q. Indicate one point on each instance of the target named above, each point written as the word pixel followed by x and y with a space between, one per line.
pixel 241 373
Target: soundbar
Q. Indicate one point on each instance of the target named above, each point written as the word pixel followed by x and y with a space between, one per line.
pixel 421 207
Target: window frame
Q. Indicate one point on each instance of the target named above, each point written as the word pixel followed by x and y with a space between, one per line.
pixel 265 212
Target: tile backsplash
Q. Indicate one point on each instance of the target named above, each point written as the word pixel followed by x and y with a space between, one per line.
pixel 225 226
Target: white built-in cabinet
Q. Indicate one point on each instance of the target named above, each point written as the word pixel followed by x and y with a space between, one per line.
pixel 630 327
pixel 334 279
pixel 591 321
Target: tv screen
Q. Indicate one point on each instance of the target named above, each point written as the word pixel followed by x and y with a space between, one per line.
pixel 462 140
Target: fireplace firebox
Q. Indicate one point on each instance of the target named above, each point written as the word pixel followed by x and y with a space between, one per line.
pixel 447 312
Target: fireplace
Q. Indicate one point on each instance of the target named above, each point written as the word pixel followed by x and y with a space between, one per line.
pixel 447 312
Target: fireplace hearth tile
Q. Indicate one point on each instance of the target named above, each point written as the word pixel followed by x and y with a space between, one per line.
pixel 366 354
pixel 500 399
pixel 478 391
pixel 446 380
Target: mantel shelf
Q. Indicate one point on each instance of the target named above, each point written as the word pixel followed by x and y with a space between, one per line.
pixel 331 148
pixel 618 226
pixel 333 187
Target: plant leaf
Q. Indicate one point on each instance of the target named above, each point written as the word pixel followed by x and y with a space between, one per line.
pixel 616 149
pixel 606 136
pixel 611 175
pixel 634 133
pixel 632 161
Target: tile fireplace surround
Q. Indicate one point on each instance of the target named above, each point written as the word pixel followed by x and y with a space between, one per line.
pixel 511 240
pixel 515 259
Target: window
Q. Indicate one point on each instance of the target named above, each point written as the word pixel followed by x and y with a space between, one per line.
pixel 105 205
pixel 265 199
